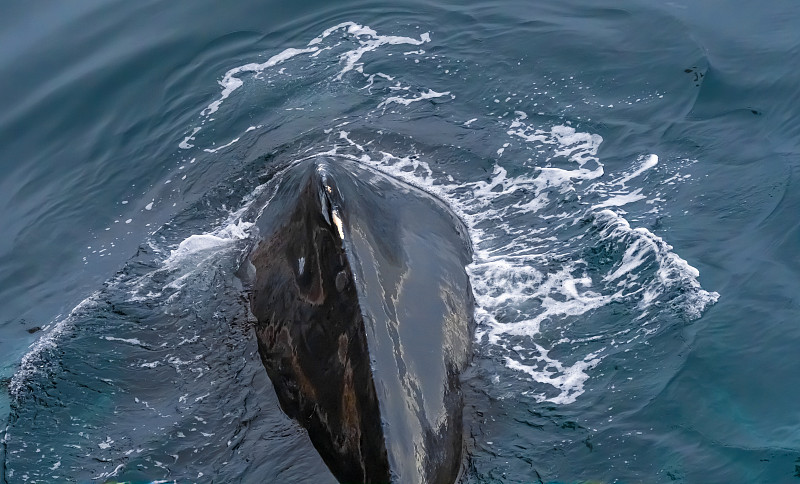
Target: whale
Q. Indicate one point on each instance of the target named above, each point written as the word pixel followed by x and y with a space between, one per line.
pixel 364 317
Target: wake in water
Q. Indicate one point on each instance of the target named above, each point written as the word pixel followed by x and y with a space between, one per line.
pixel 155 376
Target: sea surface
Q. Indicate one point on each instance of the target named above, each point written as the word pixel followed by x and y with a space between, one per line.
pixel 629 172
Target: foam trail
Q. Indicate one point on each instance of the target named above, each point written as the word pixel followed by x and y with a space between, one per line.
pixel 185 145
pixel 620 200
pixel 368 39
pixel 431 94
pixel 230 82
pixel 524 275
pixel 371 42
pixel 649 162
pixel 569 380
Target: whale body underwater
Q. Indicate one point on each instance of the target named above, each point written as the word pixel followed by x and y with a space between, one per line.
pixel 364 319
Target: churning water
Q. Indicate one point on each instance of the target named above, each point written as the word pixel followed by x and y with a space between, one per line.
pixel 627 171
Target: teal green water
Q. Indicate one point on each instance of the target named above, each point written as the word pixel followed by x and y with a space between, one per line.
pixel 628 172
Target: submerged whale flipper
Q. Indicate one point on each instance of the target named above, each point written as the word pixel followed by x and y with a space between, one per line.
pixel 365 320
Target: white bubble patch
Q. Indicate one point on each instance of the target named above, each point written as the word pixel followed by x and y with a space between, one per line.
pixel 200 243
pixel 525 275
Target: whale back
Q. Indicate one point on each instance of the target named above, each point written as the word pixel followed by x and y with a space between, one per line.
pixel 365 320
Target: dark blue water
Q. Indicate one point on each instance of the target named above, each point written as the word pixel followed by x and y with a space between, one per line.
pixel 628 171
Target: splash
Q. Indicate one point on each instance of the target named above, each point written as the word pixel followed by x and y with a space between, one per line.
pixel 525 275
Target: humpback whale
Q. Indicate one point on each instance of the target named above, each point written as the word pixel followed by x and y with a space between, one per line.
pixel 364 319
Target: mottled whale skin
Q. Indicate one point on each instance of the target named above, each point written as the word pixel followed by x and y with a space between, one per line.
pixel 365 320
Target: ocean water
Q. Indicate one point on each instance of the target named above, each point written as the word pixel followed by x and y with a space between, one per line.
pixel 628 172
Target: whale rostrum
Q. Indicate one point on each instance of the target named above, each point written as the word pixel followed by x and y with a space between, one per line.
pixel 365 320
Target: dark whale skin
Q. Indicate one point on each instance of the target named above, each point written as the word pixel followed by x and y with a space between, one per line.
pixel 364 320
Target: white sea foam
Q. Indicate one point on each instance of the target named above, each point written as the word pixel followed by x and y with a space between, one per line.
pixel 571 300
pixel 106 475
pixel 672 270
pixel 577 146
pixel 201 242
pixel 648 162
pixel 621 199
pixel 196 243
pixel 502 279
pixel 368 40
pixel 214 150
pixel 130 341
pixel 230 82
pixel 567 379
pixel 516 284
pixel 185 145
pixel 405 101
